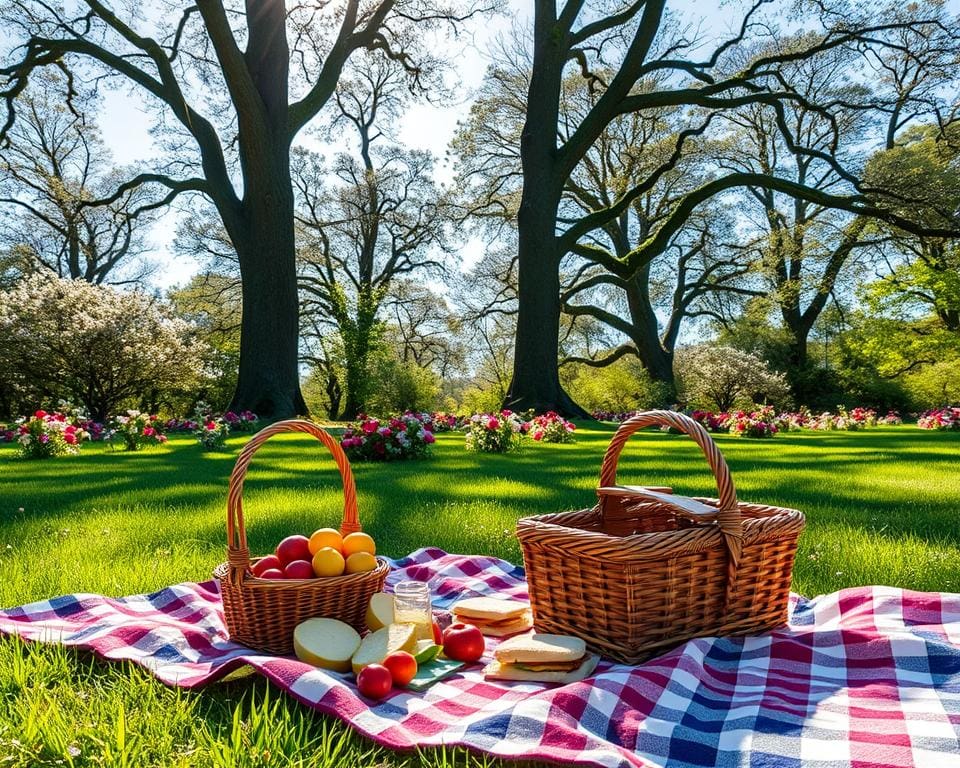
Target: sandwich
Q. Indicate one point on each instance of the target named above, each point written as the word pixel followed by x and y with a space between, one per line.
pixel 493 617
pixel 542 659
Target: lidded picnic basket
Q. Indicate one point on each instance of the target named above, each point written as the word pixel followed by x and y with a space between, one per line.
pixel 262 613
pixel 644 570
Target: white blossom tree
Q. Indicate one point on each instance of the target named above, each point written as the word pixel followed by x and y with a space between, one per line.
pixel 96 345
pixel 723 377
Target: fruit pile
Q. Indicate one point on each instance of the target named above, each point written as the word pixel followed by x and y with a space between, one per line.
pixel 390 655
pixel 323 554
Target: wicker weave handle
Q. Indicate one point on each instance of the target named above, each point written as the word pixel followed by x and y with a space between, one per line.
pixel 728 510
pixel 238 556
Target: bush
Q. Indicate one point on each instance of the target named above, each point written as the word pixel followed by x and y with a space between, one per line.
pixel 940 419
pixel 551 428
pixel 45 435
pixel 135 430
pixel 495 433
pixel 622 387
pixel 400 437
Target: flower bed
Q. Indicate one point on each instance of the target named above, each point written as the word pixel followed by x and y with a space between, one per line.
pixel 400 437
pixel 940 418
pixel 551 428
pixel 245 421
pixel 760 423
pixel 495 433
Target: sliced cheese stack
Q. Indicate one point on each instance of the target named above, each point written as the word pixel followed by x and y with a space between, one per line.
pixel 493 617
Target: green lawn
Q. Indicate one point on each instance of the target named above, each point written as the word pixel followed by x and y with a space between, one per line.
pixel 881 508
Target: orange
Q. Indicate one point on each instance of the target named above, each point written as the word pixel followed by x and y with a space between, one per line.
pixel 359 562
pixel 328 562
pixel 325 537
pixel 358 542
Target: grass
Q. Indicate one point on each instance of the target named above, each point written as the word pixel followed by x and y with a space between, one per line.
pixel 881 508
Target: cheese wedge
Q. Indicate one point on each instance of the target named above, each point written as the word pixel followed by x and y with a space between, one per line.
pixel 380 611
pixel 326 643
pixel 378 645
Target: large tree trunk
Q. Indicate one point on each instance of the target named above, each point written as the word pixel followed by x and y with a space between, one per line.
pixel 536 378
pixel 269 381
pixel 536 375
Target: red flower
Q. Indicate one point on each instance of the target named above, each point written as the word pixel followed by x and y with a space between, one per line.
pixel 40 414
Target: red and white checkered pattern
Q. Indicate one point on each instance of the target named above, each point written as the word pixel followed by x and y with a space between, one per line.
pixel 862 678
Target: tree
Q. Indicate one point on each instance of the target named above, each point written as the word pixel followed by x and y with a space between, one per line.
pixel 722 377
pixel 96 345
pixel 617 48
pixel 234 95
pixel 54 162
pixel 379 221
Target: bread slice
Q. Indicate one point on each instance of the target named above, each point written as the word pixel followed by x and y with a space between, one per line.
pixel 501 671
pixel 540 648
pixel 490 608
pixel 512 626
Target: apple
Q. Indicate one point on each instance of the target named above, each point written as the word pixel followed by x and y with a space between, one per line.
pixel 272 573
pixel 299 569
pixel 402 666
pixel 293 548
pixel 374 681
pixel 266 563
pixel 437 633
pixel 463 642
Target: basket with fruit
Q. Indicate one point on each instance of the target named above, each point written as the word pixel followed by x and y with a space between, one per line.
pixel 331 574
pixel 645 570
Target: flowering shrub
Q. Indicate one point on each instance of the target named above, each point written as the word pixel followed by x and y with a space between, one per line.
pixel 551 428
pixel 48 434
pixel 495 433
pixel 758 423
pixel 892 419
pixel 212 434
pixel 399 437
pixel 712 422
pixel 446 422
pixel 792 421
pixel 940 418
pixel 135 430
pixel 7 435
pixel 245 421
pixel 858 418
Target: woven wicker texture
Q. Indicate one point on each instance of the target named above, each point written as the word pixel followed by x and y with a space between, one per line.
pixel 642 572
pixel 262 613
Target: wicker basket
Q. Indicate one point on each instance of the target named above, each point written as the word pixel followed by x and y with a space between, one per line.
pixel 645 570
pixel 262 613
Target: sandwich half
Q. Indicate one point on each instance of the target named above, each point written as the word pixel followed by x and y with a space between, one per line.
pixel 493 617
pixel 542 659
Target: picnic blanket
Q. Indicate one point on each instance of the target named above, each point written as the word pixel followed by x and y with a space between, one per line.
pixel 860 678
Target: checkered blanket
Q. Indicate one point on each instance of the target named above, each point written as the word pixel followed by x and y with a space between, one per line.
pixel 864 677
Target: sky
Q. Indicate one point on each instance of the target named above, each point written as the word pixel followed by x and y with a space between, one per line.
pixel 125 123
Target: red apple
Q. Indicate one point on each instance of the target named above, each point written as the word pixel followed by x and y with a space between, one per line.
pixel 374 681
pixel 402 666
pixel 272 573
pixel 294 548
pixel 266 563
pixel 299 569
pixel 437 633
pixel 463 642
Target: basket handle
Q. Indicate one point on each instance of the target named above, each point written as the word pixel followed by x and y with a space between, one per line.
pixel 238 556
pixel 728 510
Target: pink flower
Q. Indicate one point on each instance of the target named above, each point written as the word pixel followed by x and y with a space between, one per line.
pixel 385 431
pixel 161 438
pixel 492 423
pixel 69 437
pixel 149 431
pixel 39 414
pixel 44 438
pixel 428 437
pixel 370 426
